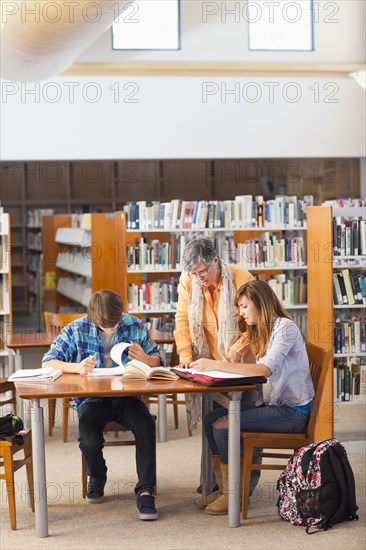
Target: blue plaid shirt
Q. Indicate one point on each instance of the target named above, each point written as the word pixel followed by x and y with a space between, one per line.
pixel 81 338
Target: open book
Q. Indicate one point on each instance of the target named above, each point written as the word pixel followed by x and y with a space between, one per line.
pixel 44 374
pixel 138 369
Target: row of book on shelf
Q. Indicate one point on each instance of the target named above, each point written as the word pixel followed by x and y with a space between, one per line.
pixel 163 295
pixel 349 236
pixel 244 211
pixel 267 251
pixel 3 221
pixel 349 287
pixel 350 379
pixel 157 295
pixel 166 322
pixel 350 334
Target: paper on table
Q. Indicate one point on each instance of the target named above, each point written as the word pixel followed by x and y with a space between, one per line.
pixel 116 352
pixel 113 371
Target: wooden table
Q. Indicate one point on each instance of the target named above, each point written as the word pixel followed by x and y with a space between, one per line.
pixel 74 385
pixel 31 340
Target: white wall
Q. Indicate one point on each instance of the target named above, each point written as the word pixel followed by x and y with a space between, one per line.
pixel 339 34
pixel 173 117
pixel 183 118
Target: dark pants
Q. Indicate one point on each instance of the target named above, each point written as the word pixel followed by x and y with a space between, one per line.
pixel 132 413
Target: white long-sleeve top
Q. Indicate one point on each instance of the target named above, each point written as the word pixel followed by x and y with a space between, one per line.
pixel 290 382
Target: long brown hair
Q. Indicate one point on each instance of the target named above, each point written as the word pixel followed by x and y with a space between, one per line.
pixel 268 306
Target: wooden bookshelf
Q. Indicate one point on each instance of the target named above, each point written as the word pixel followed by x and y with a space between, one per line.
pixel 99 250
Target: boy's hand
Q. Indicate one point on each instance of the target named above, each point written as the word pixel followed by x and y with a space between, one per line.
pixel 87 365
pixel 135 351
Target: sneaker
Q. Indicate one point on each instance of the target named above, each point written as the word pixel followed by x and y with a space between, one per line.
pixel 146 508
pixel 95 490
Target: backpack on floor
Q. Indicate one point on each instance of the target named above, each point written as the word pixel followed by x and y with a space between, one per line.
pixel 10 425
pixel 317 488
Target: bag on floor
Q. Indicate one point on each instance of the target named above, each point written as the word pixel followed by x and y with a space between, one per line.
pixel 10 426
pixel 317 488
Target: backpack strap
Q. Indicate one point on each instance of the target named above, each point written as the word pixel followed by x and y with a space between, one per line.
pixel 346 481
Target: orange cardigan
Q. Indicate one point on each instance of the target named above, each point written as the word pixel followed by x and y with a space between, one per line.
pixel 210 316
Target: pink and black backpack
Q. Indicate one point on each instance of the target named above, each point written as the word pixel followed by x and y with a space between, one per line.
pixel 317 488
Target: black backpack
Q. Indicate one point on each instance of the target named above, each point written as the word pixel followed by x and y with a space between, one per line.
pixel 317 488
pixel 10 425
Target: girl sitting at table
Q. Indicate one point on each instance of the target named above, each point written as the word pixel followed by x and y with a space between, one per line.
pixel 280 351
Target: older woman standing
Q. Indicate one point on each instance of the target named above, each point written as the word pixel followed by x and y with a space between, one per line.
pixel 207 322
pixel 206 319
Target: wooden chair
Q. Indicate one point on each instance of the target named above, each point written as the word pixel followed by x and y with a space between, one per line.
pixel 319 360
pixel 8 464
pixel 54 323
pixel 7 388
pixel 114 427
pixel 172 398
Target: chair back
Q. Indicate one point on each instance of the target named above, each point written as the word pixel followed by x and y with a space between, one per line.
pixel 55 322
pixel 319 361
pixel 6 388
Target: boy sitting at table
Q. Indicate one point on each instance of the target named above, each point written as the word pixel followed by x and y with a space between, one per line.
pixel 85 344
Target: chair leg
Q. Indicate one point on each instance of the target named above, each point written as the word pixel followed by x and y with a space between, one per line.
pixel 188 426
pixel 175 410
pixel 65 419
pixel 51 415
pixel 83 476
pixel 9 480
pixel 247 460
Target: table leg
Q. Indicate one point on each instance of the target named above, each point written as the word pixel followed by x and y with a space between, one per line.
pixel 162 437
pixel 39 470
pixel 234 460
pixel 10 362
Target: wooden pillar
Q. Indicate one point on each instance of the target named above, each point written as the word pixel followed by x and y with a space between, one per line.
pixel 320 302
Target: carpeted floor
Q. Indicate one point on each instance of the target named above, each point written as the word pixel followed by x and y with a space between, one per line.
pixel 74 523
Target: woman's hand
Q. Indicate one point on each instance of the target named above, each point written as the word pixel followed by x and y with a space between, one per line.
pixel 86 365
pixel 205 364
pixel 184 365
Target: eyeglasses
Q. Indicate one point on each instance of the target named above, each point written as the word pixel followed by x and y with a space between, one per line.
pixel 201 273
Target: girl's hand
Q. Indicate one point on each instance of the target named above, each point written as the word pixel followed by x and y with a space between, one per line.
pixel 87 365
pixel 205 364
pixel 135 351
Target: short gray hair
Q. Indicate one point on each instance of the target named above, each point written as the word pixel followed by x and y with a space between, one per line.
pixel 199 250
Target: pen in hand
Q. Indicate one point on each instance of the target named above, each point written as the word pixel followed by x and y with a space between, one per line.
pixel 87 365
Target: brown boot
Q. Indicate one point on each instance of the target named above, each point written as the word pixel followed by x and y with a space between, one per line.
pixel 202 502
pixel 219 507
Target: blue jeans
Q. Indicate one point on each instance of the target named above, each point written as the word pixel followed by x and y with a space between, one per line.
pixel 132 413
pixel 253 419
